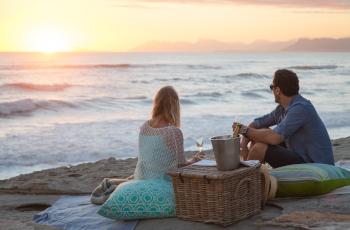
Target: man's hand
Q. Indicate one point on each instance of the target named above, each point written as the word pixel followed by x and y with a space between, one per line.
pixel 235 125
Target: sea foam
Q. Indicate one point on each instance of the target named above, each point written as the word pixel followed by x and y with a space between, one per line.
pixel 22 67
pixel 38 87
pixel 313 67
pixel 28 105
pixel 246 76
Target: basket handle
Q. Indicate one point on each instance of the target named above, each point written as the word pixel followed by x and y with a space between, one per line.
pixel 205 177
pixel 182 180
pixel 241 182
pixel 264 174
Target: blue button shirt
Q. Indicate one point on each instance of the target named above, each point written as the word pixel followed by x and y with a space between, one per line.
pixel 302 130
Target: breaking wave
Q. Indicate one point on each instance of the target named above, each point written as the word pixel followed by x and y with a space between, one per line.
pixel 251 94
pixel 311 67
pixel 262 90
pixel 186 102
pixel 98 66
pixel 29 105
pixel 135 98
pixel 145 82
pixel 306 93
pixel 204 67
pixel 28 86
pixel 247 75
pixel 19 67
pixel 159 79
pixel 213 94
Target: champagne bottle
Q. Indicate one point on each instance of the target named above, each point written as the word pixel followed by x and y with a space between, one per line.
pixel 236 132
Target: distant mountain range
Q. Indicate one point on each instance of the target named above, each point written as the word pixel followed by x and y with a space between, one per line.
pixel 210 45
pixel 319 45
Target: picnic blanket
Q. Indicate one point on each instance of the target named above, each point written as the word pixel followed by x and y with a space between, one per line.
pixel 77 213
pixel 104 190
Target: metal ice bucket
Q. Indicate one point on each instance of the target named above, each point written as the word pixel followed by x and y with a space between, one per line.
pixel 226 152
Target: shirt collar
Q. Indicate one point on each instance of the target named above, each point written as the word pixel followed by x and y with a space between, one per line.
pixel 296 97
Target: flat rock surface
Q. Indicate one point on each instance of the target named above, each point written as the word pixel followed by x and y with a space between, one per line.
pixel 80 179
pixel 23 196
pixel 74 180
pixel 341 149
pixel 24 206
pixel 6 224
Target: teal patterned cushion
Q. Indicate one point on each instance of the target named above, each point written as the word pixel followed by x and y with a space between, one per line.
pixel 144 199
pixel 310 179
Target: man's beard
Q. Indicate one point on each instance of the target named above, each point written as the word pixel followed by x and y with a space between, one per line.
pixel 277 99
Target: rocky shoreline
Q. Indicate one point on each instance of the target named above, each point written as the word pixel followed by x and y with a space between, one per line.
pixel 24 195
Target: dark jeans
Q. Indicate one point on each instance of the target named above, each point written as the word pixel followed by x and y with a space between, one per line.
pixel 279 155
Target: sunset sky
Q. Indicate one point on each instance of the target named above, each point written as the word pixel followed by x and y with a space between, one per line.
pixel 117 25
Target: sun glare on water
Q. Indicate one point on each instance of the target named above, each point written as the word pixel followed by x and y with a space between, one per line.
pixel 49 41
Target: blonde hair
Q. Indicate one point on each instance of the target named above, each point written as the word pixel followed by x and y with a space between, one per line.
pixel 167 102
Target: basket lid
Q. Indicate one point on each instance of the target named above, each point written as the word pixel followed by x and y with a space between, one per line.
pixel 210 172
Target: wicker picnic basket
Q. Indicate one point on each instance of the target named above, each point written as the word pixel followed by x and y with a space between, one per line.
pixel 207 195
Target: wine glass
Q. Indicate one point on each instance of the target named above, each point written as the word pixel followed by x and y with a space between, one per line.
pixel 239 120
pixel 199 140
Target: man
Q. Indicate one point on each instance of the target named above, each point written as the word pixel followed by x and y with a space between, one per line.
pixel 300 135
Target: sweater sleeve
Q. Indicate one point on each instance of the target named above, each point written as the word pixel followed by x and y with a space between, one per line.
pixel 179 145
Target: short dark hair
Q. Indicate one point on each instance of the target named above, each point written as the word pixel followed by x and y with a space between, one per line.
pixel 287 81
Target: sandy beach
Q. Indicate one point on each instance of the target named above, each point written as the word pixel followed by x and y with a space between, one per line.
pixel 23 196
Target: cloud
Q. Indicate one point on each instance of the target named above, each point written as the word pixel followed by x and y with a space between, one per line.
pixel 324 4
pixel 320 12
pixel 133 6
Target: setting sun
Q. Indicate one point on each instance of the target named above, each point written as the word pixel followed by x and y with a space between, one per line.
pixel 50 40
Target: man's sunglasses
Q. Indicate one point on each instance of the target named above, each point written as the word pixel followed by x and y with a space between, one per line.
pixel 271 87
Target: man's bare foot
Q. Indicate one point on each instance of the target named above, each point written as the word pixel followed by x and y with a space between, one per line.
pixel 244 151
pixel 244 148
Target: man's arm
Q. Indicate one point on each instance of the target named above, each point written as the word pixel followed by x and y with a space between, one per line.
pixel 262 122
pixel 252 125
pixel 267 136
pixel 267 121
pixel 245 140
pixel 297 116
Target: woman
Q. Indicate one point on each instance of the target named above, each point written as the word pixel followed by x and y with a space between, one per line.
pixel 160 145
pixel 160 139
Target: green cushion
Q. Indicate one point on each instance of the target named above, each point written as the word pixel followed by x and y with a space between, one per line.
pixel 144 199
pixel 310 179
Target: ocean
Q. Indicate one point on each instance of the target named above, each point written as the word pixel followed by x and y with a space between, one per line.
pixel 61 109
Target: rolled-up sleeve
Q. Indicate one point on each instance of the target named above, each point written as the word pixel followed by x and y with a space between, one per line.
pixel 296 117
pixel 266 120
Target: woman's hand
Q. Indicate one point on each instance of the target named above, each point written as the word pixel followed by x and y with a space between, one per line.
pixel 201 153
pixel 194 159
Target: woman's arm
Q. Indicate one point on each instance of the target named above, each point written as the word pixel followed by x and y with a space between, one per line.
pixel 182 161
pixel 193 159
